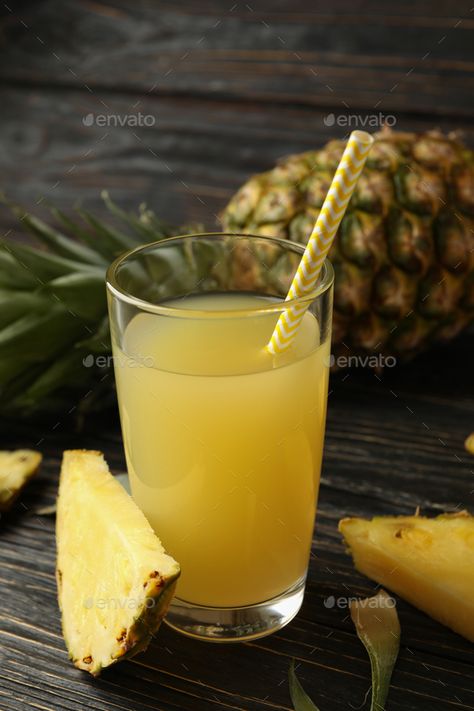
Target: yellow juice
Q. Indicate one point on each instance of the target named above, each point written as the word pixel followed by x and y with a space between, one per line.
pixel 223 444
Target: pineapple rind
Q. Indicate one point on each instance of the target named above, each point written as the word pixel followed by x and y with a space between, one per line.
pixel 403 256
pixel 115 580
pixel 16 469
pixel 428 562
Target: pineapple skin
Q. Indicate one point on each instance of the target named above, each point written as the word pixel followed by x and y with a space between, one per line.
pixel 157 588
pixel 403 256
pixel 428 562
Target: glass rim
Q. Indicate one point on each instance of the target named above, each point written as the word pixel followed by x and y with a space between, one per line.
pixel 325 281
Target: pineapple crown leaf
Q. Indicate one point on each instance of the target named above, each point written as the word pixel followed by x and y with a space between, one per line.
pixel 146 224
pixel 50 237
pixel 53 311
pixel 46 265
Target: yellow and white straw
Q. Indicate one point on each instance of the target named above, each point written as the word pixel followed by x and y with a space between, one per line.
pixel 333 209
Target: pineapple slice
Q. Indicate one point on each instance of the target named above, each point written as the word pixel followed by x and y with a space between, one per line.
pixel 16 469
pixel 429 562
pixel 115 580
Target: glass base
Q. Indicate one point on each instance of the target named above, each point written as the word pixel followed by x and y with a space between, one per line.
pixel 227 624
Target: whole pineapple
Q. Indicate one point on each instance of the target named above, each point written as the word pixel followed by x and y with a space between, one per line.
pixel 404 254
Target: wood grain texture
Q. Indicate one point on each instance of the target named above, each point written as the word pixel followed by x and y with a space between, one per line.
pixel 341 55
pixel 186 166
pixel 230 88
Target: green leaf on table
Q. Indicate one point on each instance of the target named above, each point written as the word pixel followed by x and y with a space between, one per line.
pixel 378 628
pixel 299 697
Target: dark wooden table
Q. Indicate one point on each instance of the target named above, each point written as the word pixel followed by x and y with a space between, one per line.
pixel 226 88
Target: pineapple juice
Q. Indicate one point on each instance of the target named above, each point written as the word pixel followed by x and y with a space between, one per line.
pixel 223 444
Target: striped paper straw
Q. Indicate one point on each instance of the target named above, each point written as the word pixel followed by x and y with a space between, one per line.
pixel 333 209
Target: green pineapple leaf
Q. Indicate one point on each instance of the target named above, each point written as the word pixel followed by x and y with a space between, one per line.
pixel 53 307
pixel 62 369
pixel 12 274
pixel 44 266
pixel 86 234
pixel 115 240
pixel 147 225
pixel 36 338
pixel 82 294
pixel 299 697
pixel 58 243
pixel 99 342
pixel 378 628
pixel 15 303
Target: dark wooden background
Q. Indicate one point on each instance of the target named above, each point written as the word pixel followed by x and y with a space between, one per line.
pixel 229 88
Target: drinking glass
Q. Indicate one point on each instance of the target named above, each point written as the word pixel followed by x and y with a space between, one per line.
pixel 223 440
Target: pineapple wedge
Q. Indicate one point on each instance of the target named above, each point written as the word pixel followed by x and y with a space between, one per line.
pixel 115 580
pixel 16 469
pixel 428 562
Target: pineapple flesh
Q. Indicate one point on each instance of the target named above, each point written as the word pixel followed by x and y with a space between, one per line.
pixel 115 581
pixel 427 561
pixel 404 254
pixel 16 469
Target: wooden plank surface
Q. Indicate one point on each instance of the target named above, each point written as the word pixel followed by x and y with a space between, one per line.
pixel 380 458
pixel 186 166
pixel 345 55
pixel 238 100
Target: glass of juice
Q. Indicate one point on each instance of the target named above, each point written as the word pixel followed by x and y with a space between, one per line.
pixel 223 440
